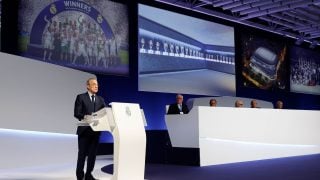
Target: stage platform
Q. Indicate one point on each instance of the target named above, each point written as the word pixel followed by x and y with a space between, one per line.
pixel 292 168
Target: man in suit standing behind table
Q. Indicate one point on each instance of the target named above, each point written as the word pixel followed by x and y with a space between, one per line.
pixel 179 107
pixel 88 140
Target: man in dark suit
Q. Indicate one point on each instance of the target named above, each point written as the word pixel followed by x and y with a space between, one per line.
pixel 254 104
pixel 239 103
pixel 88 140
pixel 179 107
pixel 213 103
pixel 279 105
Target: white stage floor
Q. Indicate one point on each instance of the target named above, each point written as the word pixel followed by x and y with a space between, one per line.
pixel 56 172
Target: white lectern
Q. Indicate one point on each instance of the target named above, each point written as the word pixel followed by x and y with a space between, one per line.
pixel 125 122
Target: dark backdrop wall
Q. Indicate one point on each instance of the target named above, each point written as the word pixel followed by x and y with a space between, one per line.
pixel 125 89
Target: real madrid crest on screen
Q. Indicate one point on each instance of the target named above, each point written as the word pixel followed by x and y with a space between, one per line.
pixel 128 111
pixel 53 9
pixel 99 19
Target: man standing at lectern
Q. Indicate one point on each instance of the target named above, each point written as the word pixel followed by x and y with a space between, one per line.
pixel 179 107
pixel 88 140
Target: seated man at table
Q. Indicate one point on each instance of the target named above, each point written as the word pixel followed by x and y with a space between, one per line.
pixel 179 107
pixel 254 104
pixel 213 103
pixel 279 105
pixel 238 103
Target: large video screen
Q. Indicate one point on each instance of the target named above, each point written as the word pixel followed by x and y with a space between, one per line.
pixel 263 62
pixel 87 35
pixel 183 54
pixel 305 71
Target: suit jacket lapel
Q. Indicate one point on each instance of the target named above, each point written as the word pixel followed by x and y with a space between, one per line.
pixel 96 101
pixel 88 98
pixel 88 103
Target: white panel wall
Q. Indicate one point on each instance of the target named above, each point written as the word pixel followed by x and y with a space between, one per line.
pixel 26 150
pixel 38 96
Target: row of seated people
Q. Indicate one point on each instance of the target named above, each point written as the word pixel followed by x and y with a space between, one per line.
pixel 179 107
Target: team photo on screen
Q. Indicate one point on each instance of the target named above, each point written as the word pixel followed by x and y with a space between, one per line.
pixel 304 71
pixel 86 35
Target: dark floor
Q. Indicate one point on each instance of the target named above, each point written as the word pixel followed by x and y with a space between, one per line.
pixel 293 168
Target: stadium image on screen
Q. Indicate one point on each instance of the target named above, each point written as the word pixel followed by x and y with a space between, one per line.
pixel 263 63
pixel 86 35
pixel 305 71
pixel 183 54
